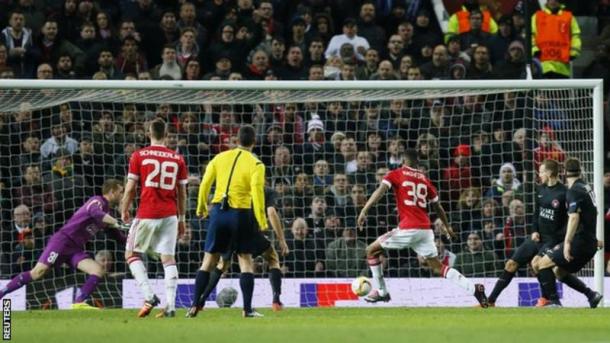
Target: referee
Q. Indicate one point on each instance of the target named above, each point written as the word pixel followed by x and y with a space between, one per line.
pixel 240 182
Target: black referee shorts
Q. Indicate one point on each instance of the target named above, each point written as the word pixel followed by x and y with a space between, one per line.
pixel 582 253
pixel 250 241
pixel 225 232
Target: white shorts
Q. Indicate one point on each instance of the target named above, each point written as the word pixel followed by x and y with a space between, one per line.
pixel 153 235
pixel 421 241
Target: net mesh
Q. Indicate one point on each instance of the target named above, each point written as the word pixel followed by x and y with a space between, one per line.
pixel 325 153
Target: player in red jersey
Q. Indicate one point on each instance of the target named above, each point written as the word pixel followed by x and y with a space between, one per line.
pixel 413 192
pixel 162 176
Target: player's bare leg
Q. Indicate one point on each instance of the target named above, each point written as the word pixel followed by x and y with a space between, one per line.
pixel 373 252
pixel 96 273
pixel 477 290
pixel 543 267
pixel 510 269
pixel 210 260
pixel 246 283
pixel 275 276
pixel 138 270
pixel 575 283
pixel 39 270
pixel 171 283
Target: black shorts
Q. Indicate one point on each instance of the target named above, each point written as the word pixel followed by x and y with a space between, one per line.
pixel 582 253
pixel 526 252
pixel 230 230
pixel 257 246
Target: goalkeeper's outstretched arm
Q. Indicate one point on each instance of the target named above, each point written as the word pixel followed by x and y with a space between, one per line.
pixel 375 197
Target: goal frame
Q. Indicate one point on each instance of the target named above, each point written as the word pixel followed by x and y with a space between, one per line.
pixel 596 86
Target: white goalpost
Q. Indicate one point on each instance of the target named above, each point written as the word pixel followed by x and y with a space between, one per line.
pixel 326 145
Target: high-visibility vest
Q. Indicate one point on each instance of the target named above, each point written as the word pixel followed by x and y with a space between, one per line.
pixel 463 17
pixel 553 35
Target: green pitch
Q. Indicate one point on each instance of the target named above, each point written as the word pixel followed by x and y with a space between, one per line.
pixel 391 325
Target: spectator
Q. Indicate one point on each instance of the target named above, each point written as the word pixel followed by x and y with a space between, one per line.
pixel 468 211
pixel 291 122
pixel 315 55
pixel 481 67
pixel 187 48
pixel 108 137
pixel 348 156
pixel 282 167
pixel 32 192
pixel 514 231
pixel 513 66
pixel 187 252
pixel 323 26
pixel 58 140
pixel 227 46
pixel 64 68
pixel 555 47
pixel 21 243
pixel 423 33
pixel 395 50
pixel 278 47
pixel 192 71
pixel 106 65
pixel 350 35
pixel 130 60
pixel 345 256
pixel 18 39
pixel 459 22
pixel 547 148
pixel 507 181
pixel 169 67
pixel 68 187
pixel 315 148
pixel 297 33
pixel 405 31
pixel 90 45
pixel 257 70
pixel 317 215
pixel 51 46
pixel 499 43
pixel 104 29
pixel 438 68
pixel 384 72
pixel 428 155
pixel 164 33
pixel 29 154
pixel 294 68
pixel 302 260
pixel 338 194
pixel 89 164
pixel 369 67
pixel 44 72
pixel 321 177
pixel 373 33
pixel 301 192
pixel 457 176
pixel 477 36
pixel 475 261
pixel 396 147
pixel 455 53
pixel 406 62
pixel 188 19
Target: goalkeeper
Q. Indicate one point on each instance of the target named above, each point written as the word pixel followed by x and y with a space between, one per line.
pixel 67 244
pixel 265 249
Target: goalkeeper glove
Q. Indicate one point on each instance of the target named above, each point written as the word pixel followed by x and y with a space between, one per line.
pixel 121 226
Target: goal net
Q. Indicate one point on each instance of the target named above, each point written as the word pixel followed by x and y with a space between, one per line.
pixel 326 146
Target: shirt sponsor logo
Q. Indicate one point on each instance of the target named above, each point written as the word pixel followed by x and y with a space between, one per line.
pixel 555 203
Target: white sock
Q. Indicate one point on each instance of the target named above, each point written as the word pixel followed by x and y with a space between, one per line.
pixel 377 272
pixel 139 273
pixel 171 282
pixel 460 280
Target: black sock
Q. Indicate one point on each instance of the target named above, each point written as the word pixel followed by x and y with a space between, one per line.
pixel 547 283
pixel 212 283
pixel 201 282
pixel 542 290
pixel 246 283
pixel 275 278
pixel 502 282
pixel 576 284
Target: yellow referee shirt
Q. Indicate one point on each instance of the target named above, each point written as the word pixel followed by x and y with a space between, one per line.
pixel 247 188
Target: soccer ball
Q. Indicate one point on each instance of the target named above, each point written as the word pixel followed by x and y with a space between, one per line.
pixel 361 286
pixel 226 297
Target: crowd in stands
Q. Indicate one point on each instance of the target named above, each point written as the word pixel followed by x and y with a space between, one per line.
pixel 323 159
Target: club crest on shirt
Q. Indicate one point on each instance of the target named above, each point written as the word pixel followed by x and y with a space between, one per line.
pixel 555 203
